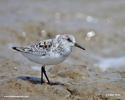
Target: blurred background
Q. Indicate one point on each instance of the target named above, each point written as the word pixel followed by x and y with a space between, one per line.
pixel 97 25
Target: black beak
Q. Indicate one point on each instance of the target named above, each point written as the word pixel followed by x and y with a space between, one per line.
pixel 77 45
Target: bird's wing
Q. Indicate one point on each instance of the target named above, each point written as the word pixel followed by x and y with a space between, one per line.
pixel 42 48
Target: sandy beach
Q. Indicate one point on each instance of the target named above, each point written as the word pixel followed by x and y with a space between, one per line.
pixel 98 73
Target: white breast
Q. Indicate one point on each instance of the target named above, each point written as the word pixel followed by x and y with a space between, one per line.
pixel 44 60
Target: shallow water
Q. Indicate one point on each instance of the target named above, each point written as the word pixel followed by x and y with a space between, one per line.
pixel 98 25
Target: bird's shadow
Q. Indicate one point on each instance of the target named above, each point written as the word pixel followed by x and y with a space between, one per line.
pixel 36 80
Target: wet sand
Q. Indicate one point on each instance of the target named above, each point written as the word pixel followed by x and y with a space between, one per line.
pixel 67 82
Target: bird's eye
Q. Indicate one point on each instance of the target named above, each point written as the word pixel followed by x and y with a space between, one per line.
pixel 69 39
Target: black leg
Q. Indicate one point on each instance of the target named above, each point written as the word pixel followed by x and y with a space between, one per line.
pixel 44 71
pixel 41 75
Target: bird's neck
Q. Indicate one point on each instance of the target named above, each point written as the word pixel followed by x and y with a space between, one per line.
pixel 64 49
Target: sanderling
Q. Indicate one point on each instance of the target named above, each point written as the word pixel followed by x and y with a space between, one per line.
pixel 49 52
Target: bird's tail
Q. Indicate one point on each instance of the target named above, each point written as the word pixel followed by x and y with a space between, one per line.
pixel 17 49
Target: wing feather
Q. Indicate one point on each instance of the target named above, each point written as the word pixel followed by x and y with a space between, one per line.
pixel 41 48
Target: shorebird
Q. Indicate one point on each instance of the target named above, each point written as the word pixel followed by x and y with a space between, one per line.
pixel 49 52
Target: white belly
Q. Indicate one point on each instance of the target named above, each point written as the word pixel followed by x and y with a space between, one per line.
pixel 44 60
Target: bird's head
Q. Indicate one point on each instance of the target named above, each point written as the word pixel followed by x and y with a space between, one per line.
pixel 68 41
